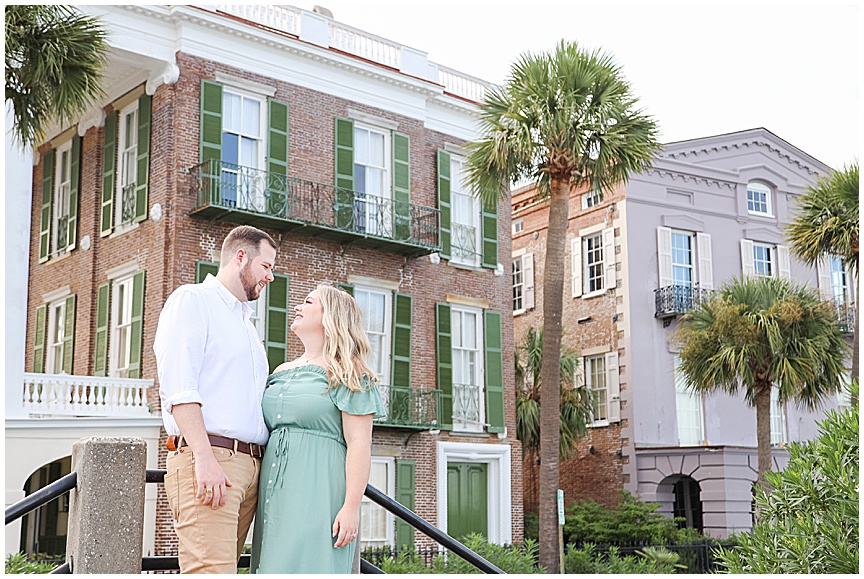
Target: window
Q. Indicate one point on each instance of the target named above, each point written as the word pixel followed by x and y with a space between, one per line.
pixel 127 144
pixel 56 336
pixel 377 308
pixel 778 419
pixel 682 259
pixel 259 313
pixel 595 381
pixel 468 399
pixel 844 395
pixel 518 226
pixel 62 198
pixel 121 328
pixel 763 260
pixel 372 205
pixel 758 199
pixel 689 409
pixel 242 150
pixel 465 224
pixel 591 199
pixel 517 285
pixel 839 281
pixel 593 262
pixel 376 524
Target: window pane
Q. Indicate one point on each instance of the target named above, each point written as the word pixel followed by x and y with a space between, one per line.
pixel 469 330
pixel 248 152
pixel 457 329
pixel 231 148
pixel 376 149
pixel 361 146
pixel 375 320
pixel 231 115
pixel 251 117
pixel 374 181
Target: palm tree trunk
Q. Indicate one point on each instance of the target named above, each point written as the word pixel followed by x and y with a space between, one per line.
pixel 550 373
pixel 763 433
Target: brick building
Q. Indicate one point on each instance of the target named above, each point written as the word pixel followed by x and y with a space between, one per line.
pixel 710 209
pixel 347 149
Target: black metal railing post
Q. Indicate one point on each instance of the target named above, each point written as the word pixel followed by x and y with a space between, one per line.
pixel 41 497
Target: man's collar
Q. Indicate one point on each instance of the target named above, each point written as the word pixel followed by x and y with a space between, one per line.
pixel 230 299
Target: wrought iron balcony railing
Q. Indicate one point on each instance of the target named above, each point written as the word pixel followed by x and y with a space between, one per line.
pixel 467 399
pixel 266 199
pixel 846 317
pixel 674 300
pixel 463 243
pixel 128 213
pixel 408 407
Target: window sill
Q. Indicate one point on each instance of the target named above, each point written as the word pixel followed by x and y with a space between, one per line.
pixel 123 229
pixel 465 266
pixel 58 257
pixel 481 433
pixel 519 312
pixel 598 424
pixel 595 294
pixel 763 215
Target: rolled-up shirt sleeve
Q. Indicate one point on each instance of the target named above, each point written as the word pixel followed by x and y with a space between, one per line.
pixel 179 345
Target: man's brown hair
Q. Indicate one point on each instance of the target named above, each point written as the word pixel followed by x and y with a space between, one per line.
pixel 247 238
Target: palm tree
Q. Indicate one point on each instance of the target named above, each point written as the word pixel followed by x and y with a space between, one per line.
pixel 758 333
pixel 562 119
pixel 54 62
pixel 575 406
pixel 827 225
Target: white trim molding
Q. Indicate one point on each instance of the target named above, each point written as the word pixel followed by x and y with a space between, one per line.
pixel 499 494
pixel 168 74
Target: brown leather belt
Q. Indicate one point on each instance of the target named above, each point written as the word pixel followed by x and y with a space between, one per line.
pixel 256 450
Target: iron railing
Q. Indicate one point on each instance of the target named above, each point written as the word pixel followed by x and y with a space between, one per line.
pixel 128 204
pixel 463 243
pixel 846 317
pixel 409 407
pixel 280 198
pixel 678 299
pixel 467 399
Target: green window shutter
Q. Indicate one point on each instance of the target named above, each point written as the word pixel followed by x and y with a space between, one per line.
pixel 75 178
pixel 344 206
pixel 490 233
pixel 202 268
pixel 69 334
pixel 347 287
pixel 400 374
pixel 136 327
pixel 276 331
pixel 401 187
pixel 211 122
pixel 277 159
pixel 494 371
pixel 100 363
pixel 444 347
pixel 405 474
pixel 39 341
pixel 47 198
pixel 444 201
pixel 109 165
pixel 145 103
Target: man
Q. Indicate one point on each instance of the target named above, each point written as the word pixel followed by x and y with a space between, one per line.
pixel 212 371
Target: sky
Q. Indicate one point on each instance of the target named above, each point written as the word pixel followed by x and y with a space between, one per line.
pixel 699 69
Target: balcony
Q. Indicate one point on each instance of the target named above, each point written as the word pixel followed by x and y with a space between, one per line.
pixel 68 395
pixel 268 200
pixel 674 300
pixel 846 317
pixel 412 408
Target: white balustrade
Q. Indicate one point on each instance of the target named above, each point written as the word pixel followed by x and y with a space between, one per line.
pixel 365 45
pixel 461 84
pixel 68 395
pixel 284 18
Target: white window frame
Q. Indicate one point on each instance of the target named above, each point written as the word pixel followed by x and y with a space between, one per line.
pixel 772 259
pixel 367 505
pixel 62 195
pixel 256 185
pixel 760 189
pixel 835 272
pixel 591 199
pixel 692 403
pixel 586 266
pixel 54 350
pixel 693 258
pixel 378 203
pixel 459 312
pixel 518 286
pixel 127 175
pixel 386 336
pixel 589 376
pixel 844 395
pixel 474 219
pixel 518 226
pixel 115 368
pixel 779 436
pixel 259 314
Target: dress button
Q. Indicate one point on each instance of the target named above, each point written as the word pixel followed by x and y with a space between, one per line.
pixel 270 482
pixel 274 464
pixel 280 396
pixel 278 416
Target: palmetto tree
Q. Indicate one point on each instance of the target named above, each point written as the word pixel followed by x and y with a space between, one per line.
pixel 758 333
pixel 826 224
pixel 54 62
pixel 563 119
pixel 575 405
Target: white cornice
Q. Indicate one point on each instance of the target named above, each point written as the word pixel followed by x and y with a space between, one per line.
pixel 678 177
pixel 743 144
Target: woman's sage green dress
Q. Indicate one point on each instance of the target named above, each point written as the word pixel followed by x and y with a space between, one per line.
pixel 302 483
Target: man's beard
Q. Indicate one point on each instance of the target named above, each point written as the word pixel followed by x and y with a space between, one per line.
pixel 250 286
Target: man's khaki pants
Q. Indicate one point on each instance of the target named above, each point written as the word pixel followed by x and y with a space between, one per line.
pixel 211 541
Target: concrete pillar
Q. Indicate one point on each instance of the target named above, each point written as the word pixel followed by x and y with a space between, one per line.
pixel 106 511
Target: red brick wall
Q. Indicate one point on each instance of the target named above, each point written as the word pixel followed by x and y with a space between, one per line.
pixel 597 473
pixel 169 249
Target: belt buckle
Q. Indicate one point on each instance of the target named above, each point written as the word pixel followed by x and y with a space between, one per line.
pixel 255 450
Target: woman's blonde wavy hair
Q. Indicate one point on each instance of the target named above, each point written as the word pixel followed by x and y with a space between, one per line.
pixel 346 346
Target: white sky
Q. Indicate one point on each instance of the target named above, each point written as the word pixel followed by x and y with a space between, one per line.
pixel 701 70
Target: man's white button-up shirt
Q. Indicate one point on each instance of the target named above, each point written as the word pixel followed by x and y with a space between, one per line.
pixel 208 352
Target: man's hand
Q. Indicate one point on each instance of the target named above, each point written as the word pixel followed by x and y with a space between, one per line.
pixel 212 481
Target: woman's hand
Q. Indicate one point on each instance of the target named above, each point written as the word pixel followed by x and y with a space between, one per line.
pixel 345 527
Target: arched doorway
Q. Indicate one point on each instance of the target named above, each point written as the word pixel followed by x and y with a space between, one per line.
pixel 688 504
pixel 44 530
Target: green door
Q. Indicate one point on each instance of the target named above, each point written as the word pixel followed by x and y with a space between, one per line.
pixel 467 510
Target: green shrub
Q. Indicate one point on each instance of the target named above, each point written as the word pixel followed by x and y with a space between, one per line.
pixel 20 563
pixel 808 522
pixel 405 563
pixel 531 526
pixel 511 559
pixel 588 560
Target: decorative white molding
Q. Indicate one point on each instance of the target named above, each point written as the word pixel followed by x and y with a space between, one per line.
pixel 685 222
pixel 455 149
pixel 373 282
pixel 56 294
pixel 68 395
pixel 124 270
pixel 695 152
pixel 95 121
pixel 168 74
pixel 763 234
pixel 372 120
pixel 245 84
pixel 36 157
pixel 667 175
pixel 466 301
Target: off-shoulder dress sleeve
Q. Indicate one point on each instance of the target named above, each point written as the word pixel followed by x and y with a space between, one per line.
pixel 364 401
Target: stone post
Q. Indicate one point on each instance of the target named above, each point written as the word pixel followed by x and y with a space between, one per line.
pixel 106 511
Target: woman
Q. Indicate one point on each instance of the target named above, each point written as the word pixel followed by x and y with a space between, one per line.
pixel 319 409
